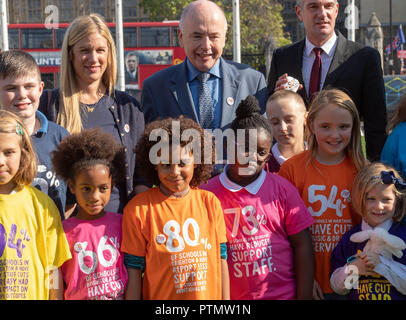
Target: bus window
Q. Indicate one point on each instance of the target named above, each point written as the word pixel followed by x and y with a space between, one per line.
pixel 154 37
pixel 175 40
pixel 59 34
pixel 36 38
pixel 48 79
pixel 13 39
pixel 130 37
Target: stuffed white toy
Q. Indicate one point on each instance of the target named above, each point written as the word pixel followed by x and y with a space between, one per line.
pixel 380 242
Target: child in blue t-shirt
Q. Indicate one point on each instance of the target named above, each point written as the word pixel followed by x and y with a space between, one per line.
pixel 20 92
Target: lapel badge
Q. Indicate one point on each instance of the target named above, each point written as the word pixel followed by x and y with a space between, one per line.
pixel 126 128
pixel 230 101
pixel 160 239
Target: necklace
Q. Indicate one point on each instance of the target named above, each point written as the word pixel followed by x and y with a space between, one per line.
pixel 91 109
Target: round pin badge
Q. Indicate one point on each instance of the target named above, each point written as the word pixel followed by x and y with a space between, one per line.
pixel 230 101
pixel 126 128
pixel 160 239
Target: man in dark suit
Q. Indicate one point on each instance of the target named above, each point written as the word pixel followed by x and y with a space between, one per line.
pixel 177 90
pixel 131 72
pixel 346 65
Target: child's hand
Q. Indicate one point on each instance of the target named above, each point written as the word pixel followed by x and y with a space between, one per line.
pixel 366 263
pixel 317 292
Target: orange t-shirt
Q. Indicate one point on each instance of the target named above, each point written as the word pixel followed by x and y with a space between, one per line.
pixel 180 240
pixel 326 191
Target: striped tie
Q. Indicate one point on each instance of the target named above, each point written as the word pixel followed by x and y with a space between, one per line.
pixel 205 102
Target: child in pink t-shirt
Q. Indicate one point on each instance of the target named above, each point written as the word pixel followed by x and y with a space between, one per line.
pixel 90 162
pixel 269 244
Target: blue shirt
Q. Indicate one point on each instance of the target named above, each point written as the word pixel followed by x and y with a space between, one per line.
pixel 216 89
pixel 44 141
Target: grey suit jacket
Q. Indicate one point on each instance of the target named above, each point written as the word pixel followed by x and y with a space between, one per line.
pixel 355 69
pixel 167 94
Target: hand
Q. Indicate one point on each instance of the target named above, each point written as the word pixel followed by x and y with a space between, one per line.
pixel 317 292
pixel 366 263
pixel 283 79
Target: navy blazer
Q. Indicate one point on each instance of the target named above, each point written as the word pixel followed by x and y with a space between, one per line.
pixel 167 94
pixel 356 69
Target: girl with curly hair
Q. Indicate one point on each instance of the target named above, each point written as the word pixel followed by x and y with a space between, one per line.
pixel 90 162
pixel 267 223
pixel 174 233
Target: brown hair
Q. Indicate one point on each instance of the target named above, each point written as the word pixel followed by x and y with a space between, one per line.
pixel 367 179
pixel 203 169
pixel 18 63
pixel 10 123
pixel 397 116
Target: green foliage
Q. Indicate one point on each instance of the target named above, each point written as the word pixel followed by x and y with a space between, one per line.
pixel 260 22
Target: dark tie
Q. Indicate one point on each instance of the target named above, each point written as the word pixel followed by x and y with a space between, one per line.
pixel 205 102
pixel 315 76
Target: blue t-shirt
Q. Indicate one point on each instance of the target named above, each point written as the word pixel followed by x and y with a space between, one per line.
pixel 44 141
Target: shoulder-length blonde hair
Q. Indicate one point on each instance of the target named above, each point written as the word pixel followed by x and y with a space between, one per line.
pixel 367 179
pixel 10 123
pixel 397 116
pixel 339 99
pixel 81 27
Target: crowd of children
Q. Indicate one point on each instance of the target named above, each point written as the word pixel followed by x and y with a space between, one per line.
pixel 278 223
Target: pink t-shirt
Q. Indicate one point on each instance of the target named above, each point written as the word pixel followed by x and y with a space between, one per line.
pixel 259 218
pixel 96 270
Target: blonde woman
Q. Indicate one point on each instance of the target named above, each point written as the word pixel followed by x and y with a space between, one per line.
pixel 87 98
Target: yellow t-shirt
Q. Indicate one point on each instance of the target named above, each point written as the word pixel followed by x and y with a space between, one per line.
pixel 32 243
pixel 326 191
pixel 180 240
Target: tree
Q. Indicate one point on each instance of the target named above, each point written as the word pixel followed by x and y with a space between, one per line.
pixel 261 22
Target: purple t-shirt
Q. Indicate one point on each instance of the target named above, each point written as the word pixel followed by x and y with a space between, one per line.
pixel 96 270
pixel 369 288
pixel 260 258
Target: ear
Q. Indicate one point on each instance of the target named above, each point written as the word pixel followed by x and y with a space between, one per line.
pixel 41 86
pixel 71 186
pixel 298 11
pixel 360 236
pixel 180 37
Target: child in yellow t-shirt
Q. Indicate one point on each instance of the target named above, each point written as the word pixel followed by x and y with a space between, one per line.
pixel 33 245
pixel 175 232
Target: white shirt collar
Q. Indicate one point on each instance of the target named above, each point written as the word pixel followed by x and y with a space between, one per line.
pixel 384 225
pixel 252 188
pixel 328 47
pixel 277 154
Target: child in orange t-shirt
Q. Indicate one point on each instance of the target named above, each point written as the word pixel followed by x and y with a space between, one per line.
pixel 175 233
pixel 324 175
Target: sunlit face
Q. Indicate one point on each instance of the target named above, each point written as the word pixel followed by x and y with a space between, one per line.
pixel 175 176
pixel 89 58
pixel 10 156
pixel 380 203
pixel 21 95
pixel 287 120
pixel 319 18
pixel 332 127
pixel 92 188
pixel 203 37
pixel 249 163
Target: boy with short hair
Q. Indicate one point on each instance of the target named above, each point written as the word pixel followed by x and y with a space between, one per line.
pixel 20 91
pixel 286 113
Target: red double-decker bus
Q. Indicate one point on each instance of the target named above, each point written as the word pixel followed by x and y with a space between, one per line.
pixel 148 48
